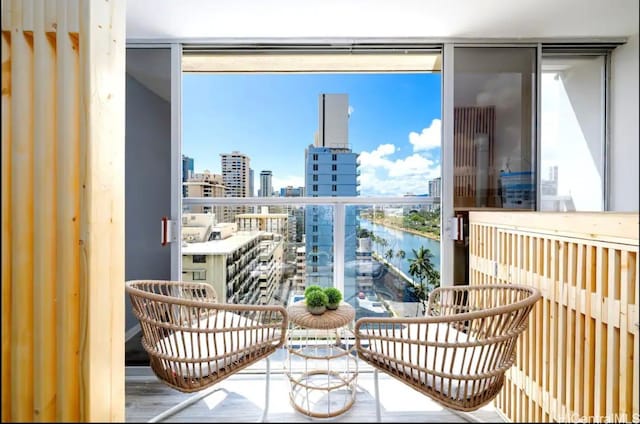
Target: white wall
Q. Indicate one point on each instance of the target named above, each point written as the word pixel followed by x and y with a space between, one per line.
pixel 624 127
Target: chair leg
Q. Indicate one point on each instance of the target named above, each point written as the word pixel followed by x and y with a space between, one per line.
pixel 184 404
pixel 377 393
pixel 266 392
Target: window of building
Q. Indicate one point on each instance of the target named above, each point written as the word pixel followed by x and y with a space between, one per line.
pixel 199 275
pixel 334 177
pixel 334 187
pixel 199 259
pixel 315 177
pixel 315 166
pixel 314 228
pixel 315 156
pixel 334 167
pixel 334 157
pixel 315 187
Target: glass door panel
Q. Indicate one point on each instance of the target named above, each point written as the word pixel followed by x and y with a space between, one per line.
pixel 572 136
pixel 493 146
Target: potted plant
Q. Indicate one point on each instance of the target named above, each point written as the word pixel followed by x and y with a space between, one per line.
pixel 333 297
pixel 311 288
pixel 316 302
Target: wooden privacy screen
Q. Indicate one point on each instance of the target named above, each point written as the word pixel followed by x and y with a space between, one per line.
pixel 63 210
pixel 578 360
pixel 468 122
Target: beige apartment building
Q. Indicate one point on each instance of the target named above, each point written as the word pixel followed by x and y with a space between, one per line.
pixel 205 184
pixel 242 267
pixel 264 221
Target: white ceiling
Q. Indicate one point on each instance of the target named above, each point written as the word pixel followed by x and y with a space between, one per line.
pixel 327 19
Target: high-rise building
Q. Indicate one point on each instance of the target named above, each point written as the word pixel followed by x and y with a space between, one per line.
pixel 236 175
pixel 204 184
pixel 187 171
pixel 251 186
pixel 290 191
pixel 331 169
pixel 266 187
pixel 434 193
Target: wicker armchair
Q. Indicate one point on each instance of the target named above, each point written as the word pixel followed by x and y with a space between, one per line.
pixel 194 342
pixel 458 353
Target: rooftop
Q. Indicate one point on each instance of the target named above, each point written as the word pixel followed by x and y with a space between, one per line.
pixel 221 247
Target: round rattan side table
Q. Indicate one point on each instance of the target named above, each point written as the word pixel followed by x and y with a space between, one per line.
pixel 322 365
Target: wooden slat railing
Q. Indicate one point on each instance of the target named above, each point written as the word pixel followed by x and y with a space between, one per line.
pixel 63 210
pixel 579 358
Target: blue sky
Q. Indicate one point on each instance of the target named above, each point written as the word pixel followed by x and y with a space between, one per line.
pixel 394 124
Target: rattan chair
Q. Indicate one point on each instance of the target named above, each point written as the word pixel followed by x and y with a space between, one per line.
pixel 457 354
pixel 194 342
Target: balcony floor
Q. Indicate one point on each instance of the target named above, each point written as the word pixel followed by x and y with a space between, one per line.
pixel 241 399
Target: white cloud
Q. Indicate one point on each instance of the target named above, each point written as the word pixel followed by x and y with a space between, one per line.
pixel 412 165
pixel 382 175
pixel 376 158
pixel 290 180
pixel 350 110
pixel 428 139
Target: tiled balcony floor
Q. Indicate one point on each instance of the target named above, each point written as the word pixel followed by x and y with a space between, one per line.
pixel 241 399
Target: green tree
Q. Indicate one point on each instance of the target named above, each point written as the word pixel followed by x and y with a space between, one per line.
pixel 421 267
pixel 400 254
pixel 389 255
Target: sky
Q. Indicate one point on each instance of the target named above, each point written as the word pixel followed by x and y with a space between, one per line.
pixel 394 125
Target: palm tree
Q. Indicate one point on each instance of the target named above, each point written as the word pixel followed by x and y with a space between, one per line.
pixel 401 255
pixel 388 255
pixel 421 267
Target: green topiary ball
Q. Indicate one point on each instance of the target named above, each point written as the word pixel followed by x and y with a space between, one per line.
pixel 334 295
pixel 311 288
pixel 316 298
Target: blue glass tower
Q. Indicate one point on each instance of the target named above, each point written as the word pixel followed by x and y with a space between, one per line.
pixel 187 172
pixel 331 170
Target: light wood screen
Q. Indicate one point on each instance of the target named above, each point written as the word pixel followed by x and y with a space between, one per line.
pixel 63 210
pixel 467 122
pixel 578 360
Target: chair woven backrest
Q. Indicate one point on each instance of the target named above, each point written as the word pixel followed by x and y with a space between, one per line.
pixel 458 353
pixel 193 341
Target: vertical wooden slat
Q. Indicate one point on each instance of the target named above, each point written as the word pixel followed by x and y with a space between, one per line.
pixel 6 219
pixel 589 341
pixel 73 16
pixel 50 15
pixel 27 15
pixel 580 335
pixel 626 369
pixel 102 233
pixel 7 13
pixel 44 219
pixel 569 370
pixel 613 334
pixel 600 370
pixel 21 220
pixel 635 396
pixel 560 327
pixel 67 224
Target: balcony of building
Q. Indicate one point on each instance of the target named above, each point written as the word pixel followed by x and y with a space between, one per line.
pixel 84 205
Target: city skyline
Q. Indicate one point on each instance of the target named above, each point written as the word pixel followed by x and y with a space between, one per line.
pixel 394 125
